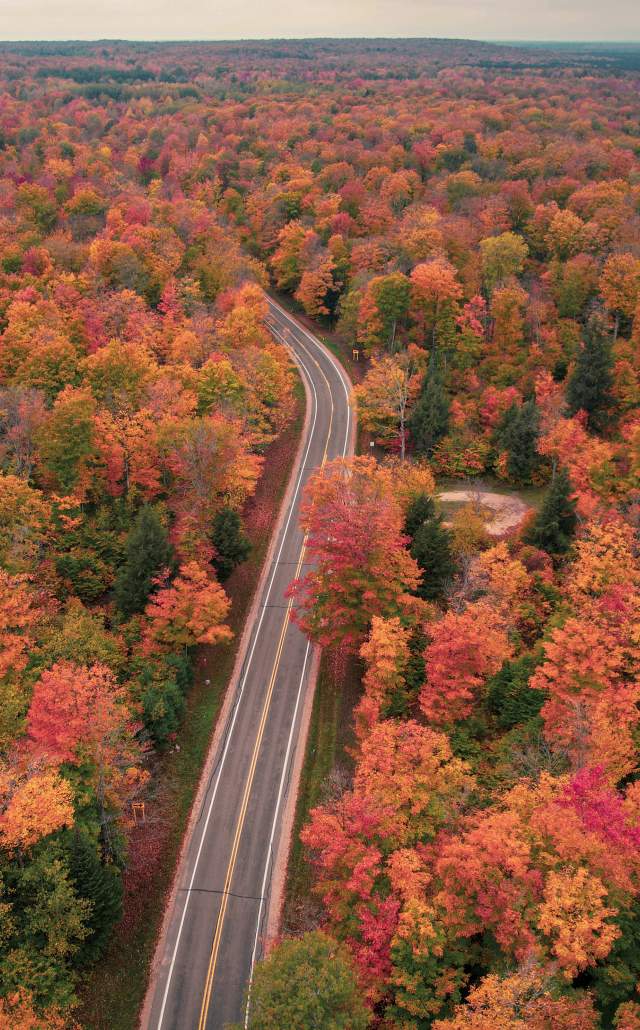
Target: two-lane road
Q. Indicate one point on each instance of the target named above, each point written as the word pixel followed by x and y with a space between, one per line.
pixel 213 932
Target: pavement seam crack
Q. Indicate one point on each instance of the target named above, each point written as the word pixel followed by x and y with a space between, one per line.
pixel 213 890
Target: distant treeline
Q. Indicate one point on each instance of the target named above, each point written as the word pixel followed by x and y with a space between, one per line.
pixel 98 73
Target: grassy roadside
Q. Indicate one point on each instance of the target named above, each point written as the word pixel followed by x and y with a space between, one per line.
pixel 327 757
pixel 112 992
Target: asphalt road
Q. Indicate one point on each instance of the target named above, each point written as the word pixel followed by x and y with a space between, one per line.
pixel 214 930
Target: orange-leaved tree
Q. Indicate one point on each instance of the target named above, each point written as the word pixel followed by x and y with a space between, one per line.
pixel 386 653
pixel 34 802
pixel 527 998
pixel 191 610
pixel 20 615
pixel 17 1012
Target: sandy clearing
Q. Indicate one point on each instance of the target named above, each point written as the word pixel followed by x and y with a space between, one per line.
pixel 509 509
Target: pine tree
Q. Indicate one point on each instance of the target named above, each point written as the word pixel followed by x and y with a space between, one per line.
pixel 148 551
pixel 102 886
pixel 431 550
pixel 232 546
pixel 519 435
pixel 590 388
pixel 509 695
pixel 429 420
pixel 420 509
pixel 162 707
pixel 615 979
pixel 430 546
pixel 556 521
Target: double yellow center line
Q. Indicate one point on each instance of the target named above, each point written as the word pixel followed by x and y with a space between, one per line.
pixel 244 804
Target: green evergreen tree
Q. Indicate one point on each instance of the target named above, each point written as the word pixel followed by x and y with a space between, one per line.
pixel 429 419
pixel 162 710
pixel 306 983
pixel 556 520
pixel 101 885
pixel 509 695
pixel 518 435
pixel 421 508
pixel 430 546
pixel 147 552
pixel 160 688
pixel 232 546
pixel 614 980
pixel 590 388
pixel 414 672
pixel 432 550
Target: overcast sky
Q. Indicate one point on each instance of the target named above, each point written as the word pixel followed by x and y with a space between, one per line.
pixel 233 19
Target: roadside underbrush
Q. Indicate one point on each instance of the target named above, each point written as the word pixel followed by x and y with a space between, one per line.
pixel 327 768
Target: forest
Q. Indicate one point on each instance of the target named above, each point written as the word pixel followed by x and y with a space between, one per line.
pixel 466 219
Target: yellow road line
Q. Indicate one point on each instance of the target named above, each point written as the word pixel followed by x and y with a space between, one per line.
pixel 244 804
pixel 243 810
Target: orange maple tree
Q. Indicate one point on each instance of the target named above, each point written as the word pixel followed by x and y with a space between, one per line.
pixel 191 610
pixel 34 802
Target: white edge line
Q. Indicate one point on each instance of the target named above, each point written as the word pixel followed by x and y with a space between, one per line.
pixel 236 709
pixel 335 364
pixel 337 367
pixel 275 822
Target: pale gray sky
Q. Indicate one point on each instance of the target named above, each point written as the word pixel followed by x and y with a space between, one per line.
pixel 233 19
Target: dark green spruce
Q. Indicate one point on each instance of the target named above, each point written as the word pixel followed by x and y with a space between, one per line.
pixel 431 548
pixel 518 435
pixel 590 388
pixel 556 521
pixel 232 546
pixel 102 886
pixel 429 419
pixel 148 551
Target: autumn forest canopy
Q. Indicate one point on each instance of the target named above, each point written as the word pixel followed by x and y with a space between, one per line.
pixel 465 218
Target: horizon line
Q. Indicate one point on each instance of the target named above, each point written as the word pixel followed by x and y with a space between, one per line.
pixel 311 38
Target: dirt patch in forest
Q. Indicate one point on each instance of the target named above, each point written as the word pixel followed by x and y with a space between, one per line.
pixel 506 511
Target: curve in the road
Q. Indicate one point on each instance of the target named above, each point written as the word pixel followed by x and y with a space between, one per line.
pixel 212 934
